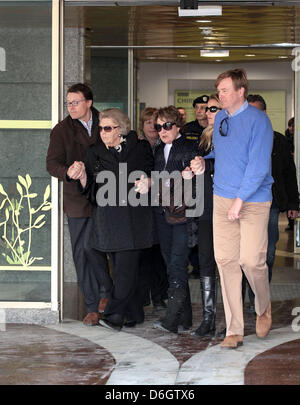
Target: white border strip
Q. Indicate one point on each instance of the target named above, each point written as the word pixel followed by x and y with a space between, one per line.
pixel 54 181
pixel 220 366
pixel 138 361
pixel 22 304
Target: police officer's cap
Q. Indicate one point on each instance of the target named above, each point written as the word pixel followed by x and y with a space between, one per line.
pixel 200 100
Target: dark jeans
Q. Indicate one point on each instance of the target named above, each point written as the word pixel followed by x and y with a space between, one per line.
pixel 207 264
pixel 173 241
pixel 273 236
pixel 126 298
pixel 91 265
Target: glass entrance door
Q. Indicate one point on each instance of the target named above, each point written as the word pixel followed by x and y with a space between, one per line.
pixel 27 275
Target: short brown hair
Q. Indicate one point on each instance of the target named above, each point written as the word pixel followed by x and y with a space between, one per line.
pixel 171 114
pixel 82 88
pixel 238 77
pixel 146 114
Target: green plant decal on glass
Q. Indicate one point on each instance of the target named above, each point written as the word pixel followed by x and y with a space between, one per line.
pixel 19 241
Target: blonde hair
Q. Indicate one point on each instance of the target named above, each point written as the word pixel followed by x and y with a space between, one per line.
pixel 206 137
pixel 119 117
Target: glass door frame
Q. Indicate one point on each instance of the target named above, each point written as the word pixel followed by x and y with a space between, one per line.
pixel 53 305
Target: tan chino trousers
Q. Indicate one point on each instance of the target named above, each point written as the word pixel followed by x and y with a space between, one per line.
pixel 241 244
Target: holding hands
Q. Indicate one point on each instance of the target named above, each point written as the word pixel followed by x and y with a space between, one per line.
pixel 142 186
pixel 198 165
pixel 77 172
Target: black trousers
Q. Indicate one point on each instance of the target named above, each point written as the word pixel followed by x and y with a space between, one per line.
pixel 91 265
pixel 207 264
pixel 153 273
pixel 126 300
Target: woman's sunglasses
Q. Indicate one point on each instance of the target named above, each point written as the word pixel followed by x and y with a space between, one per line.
pixel 166 125
pixel 107 128
pixel 212 109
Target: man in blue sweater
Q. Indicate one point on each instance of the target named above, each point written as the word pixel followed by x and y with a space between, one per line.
pixel 242 140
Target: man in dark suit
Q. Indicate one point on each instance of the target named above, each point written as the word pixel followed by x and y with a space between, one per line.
pixel 69 141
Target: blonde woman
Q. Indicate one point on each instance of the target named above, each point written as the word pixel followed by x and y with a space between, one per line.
pixel 207 264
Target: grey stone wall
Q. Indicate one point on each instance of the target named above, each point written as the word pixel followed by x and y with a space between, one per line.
pixel 74 72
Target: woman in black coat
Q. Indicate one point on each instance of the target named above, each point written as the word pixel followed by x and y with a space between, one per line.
pixel 171 157
pixel 207 264
pixel 122 225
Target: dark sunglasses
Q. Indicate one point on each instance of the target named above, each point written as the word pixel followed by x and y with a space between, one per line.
pixel 107 128
pixel 224 123
pixel 166 125
pixel 212 109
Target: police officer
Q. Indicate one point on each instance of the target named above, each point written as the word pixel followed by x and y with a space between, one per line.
pixel 193 130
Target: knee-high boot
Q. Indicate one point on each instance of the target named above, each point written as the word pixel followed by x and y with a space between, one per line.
pixel 176 301
pixel 209 300
pixel 186 317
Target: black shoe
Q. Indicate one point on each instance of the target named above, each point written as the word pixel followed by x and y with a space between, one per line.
pixel 161 326
pixel 110 325
pixel 206 329
pixel 130 324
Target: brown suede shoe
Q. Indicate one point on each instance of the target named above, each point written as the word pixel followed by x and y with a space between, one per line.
pixel 264 322
pixel 232 341
pixel 102 305
pixel 91 319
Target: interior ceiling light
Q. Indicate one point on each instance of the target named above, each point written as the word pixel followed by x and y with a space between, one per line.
pixel 203 21
pixel 206 31
pixel 250 54
pixel 181 56
pixel 200 11
pixel 282 57
pixel 208 53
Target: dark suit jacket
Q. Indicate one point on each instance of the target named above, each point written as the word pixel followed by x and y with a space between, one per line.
pixel 69 141
pixel 285 187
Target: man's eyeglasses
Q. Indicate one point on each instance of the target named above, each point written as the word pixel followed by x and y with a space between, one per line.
pixel 107 128
pixel 166 125
pixel 212 109
pixel 73 103
pixel 224 126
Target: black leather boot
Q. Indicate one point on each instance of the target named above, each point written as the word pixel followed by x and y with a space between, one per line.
pixel 209 300
pixel 186 317
pixel 176 301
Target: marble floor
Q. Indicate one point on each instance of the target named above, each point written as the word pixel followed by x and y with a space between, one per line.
pixel 70 353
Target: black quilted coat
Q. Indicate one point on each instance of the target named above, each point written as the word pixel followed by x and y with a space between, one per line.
pixel 120 227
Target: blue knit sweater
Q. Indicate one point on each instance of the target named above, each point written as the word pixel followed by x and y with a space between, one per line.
pixel 243 157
